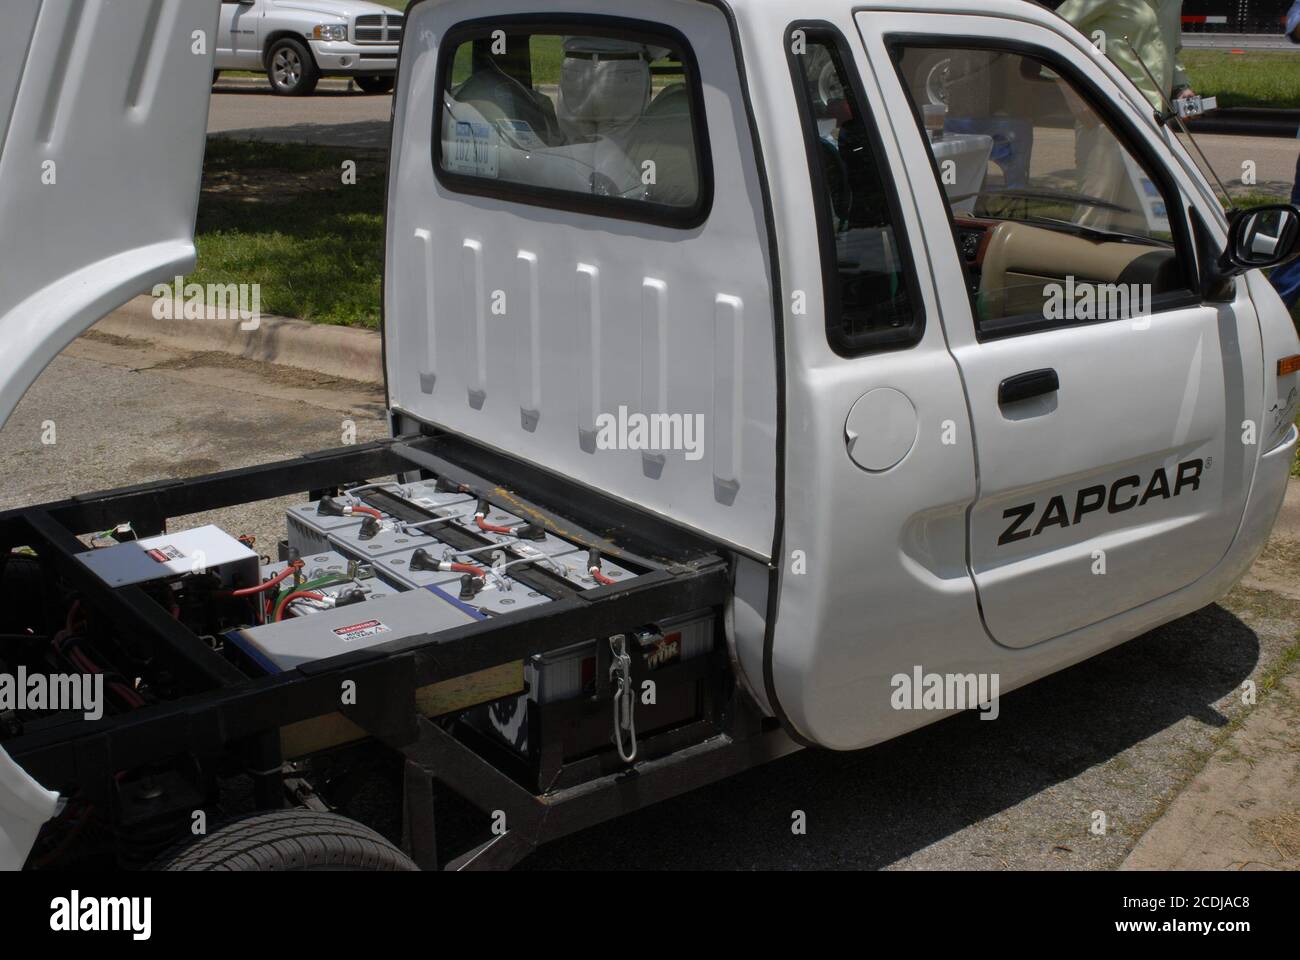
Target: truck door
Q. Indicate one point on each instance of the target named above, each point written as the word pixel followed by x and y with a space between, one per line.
pixel 237 35
pixel 1107 397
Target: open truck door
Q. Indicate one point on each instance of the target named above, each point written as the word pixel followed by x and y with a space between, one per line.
pixel 103 120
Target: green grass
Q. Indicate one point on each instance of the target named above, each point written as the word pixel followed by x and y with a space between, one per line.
pixel 1245 80
pixel 279 216
pixel 545 52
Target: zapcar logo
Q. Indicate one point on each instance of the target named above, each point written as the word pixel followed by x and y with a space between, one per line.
pixel 1123 495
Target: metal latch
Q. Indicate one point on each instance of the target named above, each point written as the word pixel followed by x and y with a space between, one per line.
pixel 620 678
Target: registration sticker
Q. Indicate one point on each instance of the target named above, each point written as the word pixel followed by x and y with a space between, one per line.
pixel 473 150
pixel 360 631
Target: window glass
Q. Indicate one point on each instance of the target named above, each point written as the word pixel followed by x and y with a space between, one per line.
pixel 605 117
pixel 1057 220
pixel 869 299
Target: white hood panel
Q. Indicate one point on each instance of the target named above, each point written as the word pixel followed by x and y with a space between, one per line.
pixel 103 122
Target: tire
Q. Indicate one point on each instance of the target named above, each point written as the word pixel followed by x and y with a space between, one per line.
pixel 288 840
pixel 375 84
pixel 291 69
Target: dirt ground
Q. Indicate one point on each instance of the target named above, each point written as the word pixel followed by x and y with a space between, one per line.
pixel 1242 810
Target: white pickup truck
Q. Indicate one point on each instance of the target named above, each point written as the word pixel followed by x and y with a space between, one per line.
pixel 296 42
pixel 763 374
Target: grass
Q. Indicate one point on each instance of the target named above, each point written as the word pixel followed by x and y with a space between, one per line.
pixel 1245 80
pixel 280 216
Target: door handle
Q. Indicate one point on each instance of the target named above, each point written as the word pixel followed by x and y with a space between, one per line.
pixel 1026 386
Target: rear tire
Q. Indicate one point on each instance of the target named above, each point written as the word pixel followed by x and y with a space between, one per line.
pixel 291 69
pixel 375 84
pixel 288 840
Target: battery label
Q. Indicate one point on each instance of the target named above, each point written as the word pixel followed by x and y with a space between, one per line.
pixel 166 553
pixel 360 631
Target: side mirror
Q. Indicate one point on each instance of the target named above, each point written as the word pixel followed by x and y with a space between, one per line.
pixel 1261 237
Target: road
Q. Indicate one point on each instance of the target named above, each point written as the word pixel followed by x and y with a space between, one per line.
pixel 334 117
pixel 1238 41
pixel 1120 733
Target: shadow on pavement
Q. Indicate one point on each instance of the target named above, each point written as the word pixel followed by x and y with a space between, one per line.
pixel 872 808
pixel 373 134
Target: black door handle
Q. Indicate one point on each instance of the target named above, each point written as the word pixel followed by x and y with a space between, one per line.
pixel 1026 386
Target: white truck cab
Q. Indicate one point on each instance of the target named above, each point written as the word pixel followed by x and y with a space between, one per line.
pixel 910 328
pixel 296 42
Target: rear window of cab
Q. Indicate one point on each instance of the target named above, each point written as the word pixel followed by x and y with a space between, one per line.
pixel 603 116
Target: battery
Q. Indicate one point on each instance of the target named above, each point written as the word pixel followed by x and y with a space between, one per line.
pixel 425 493
pixel 570 674
pixel 309 530
pixel 573 568
pixel 278 647
pixel 356 576
pixel 494 597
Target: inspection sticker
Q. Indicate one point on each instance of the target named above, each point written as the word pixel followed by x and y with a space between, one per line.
pixel 360 631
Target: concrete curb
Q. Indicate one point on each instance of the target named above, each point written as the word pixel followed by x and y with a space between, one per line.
pixel 261 83
pixel 344 352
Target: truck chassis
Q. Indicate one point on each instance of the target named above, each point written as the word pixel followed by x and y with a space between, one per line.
pixel 233 715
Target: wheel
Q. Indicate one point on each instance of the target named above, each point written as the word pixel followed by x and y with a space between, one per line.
pixel 375 84
pixel 938 81
pixel 288 840
pixel 291 69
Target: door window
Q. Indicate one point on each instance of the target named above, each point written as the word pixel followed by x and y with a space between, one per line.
pixel 1058 220
pixel 871 298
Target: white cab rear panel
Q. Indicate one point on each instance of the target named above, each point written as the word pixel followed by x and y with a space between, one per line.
pixel 600 313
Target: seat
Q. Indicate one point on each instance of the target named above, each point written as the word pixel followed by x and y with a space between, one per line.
pixel 664 136
pixel 501 98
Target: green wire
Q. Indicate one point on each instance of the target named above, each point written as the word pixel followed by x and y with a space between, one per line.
pixel 326 581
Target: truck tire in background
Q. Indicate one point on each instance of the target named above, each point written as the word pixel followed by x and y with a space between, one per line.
pixel 291 68
pixel 289 840
pixel 375 84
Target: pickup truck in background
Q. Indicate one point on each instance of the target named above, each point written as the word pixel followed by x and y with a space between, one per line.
pixel 296 42
pixel 762 374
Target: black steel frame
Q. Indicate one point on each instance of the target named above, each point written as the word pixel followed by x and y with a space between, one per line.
pixel 228 713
